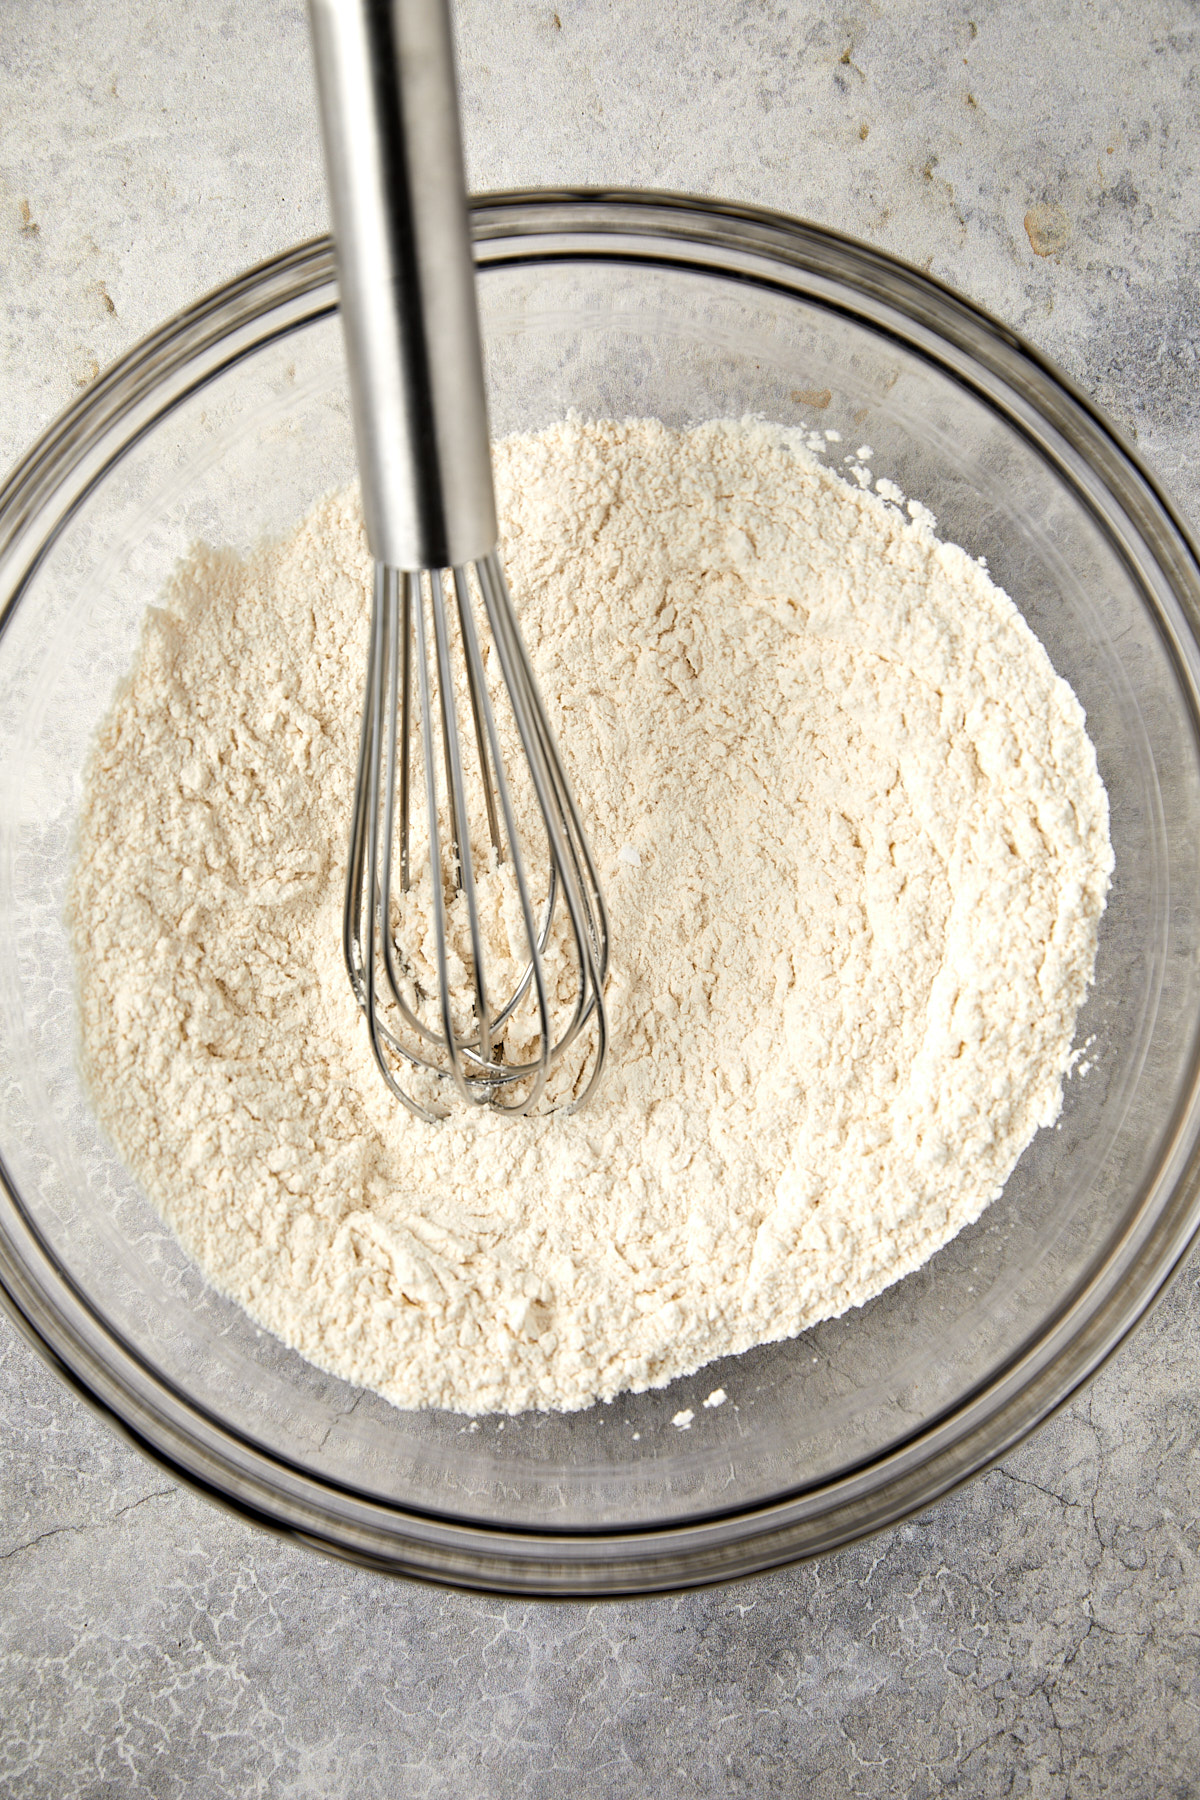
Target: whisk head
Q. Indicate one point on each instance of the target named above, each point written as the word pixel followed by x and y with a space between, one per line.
pixel 475 933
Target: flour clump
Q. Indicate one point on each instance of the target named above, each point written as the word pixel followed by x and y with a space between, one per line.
pixel 855 849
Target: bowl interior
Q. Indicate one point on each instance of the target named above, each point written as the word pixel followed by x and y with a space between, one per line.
pixel 241 452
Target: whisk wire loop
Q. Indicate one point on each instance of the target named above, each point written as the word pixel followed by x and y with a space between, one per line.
pixel 477 689
pixel 408 584
pixel 569 851
pixel 411 622
pixel 460 844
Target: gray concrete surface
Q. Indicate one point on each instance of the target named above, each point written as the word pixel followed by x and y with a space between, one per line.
pixel 1038 1634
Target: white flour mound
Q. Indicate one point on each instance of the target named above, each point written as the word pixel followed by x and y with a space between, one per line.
pixel 855 848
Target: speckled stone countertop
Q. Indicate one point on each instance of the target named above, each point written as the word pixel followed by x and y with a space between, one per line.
pixel 1040 1632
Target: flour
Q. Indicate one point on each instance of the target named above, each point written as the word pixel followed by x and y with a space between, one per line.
pixel 855 849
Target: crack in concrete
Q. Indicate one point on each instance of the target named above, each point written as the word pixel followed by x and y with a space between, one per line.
pixel 90 1525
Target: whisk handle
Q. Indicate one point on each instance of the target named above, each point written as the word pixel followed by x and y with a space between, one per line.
pixel 393 156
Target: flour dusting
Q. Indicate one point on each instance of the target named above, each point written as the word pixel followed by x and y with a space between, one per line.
pixel 855 849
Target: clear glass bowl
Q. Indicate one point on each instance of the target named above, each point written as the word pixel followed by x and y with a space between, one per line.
pixel 226 426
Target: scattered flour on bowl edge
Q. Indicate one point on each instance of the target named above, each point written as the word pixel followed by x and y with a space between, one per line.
pixel 855 848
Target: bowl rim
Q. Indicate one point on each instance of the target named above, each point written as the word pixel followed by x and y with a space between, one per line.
pixel 764 249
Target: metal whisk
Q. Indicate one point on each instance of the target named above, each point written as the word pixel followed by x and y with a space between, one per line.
pixel 465 835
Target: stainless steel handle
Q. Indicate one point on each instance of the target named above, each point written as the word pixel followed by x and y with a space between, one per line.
pixel 393 156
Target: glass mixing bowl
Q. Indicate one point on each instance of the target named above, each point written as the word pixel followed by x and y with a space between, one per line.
pixel 226 426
